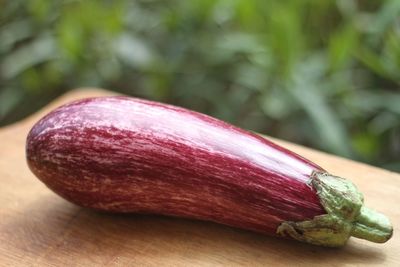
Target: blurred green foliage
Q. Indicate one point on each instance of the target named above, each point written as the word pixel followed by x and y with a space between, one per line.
pixel 321 73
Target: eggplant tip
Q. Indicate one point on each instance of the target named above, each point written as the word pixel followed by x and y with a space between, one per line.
pixel 346 216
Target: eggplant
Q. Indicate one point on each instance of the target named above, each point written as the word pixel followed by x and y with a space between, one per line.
pixel 122 154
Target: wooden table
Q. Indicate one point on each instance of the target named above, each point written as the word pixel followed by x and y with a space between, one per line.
pixel 39 228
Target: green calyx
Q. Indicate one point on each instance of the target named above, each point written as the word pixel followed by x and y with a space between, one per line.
pixel 346 216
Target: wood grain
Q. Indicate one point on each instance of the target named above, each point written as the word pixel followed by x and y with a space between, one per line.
pixel 37 228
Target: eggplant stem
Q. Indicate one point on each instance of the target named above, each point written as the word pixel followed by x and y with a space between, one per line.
pixel 346 216
pixel 372 226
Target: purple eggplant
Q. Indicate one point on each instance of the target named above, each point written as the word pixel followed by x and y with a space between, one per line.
pixel 124 154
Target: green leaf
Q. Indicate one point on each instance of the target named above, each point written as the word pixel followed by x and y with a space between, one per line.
pixel 14 32
pixel 71 37
pixel 133 51
pixel 40 50
pixel 9 98
pixel 341 46
pixel 366 145
pixel 40 9
pixel 308 91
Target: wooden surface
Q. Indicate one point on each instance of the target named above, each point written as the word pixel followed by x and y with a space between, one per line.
pixel 39 228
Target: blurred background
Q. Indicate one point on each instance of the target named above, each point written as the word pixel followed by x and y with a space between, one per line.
pixel 325 74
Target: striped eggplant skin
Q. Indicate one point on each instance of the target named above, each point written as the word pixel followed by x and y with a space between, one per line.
pixel 124 154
